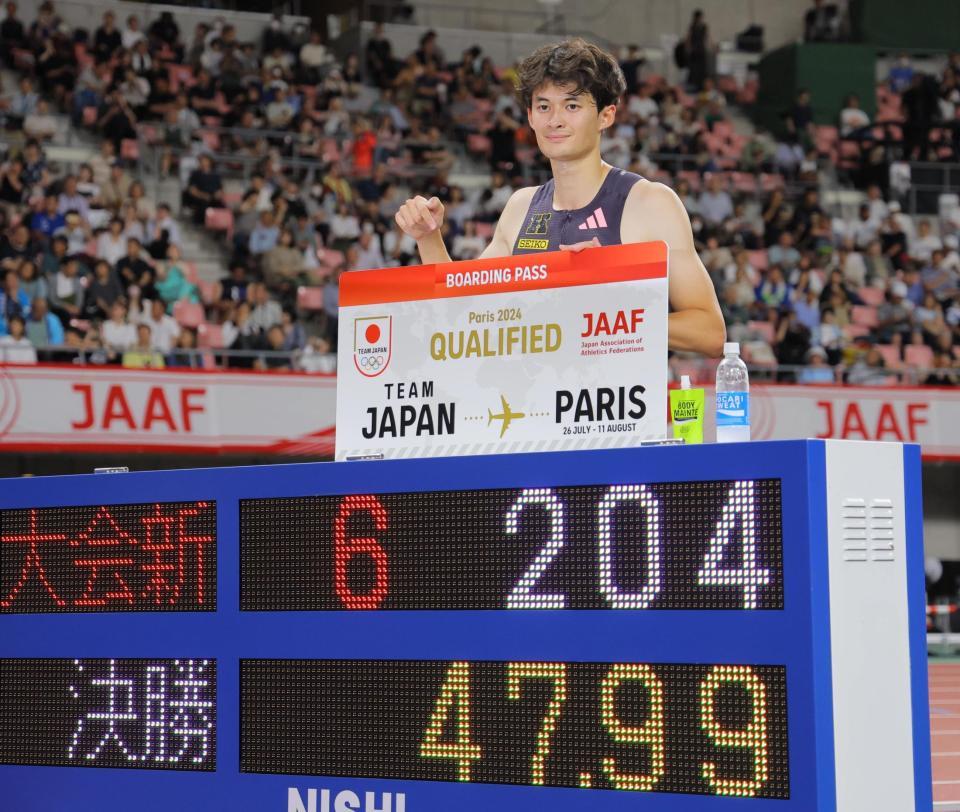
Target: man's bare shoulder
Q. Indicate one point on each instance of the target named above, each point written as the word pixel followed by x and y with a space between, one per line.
pixel 511 218
pixel 652 210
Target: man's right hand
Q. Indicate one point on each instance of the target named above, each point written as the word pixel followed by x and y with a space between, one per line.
pixel 419 217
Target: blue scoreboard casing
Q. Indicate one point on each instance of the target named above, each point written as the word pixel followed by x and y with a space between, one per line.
pixel 735 627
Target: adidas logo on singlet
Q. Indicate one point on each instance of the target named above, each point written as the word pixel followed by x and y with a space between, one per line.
pixel 595 220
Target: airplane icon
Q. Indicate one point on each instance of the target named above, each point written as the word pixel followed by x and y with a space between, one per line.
pixel 506 416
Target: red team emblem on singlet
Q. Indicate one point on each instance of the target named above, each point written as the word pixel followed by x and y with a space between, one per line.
pixel 372 344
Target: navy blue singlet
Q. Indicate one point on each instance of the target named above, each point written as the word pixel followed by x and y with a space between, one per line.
pixel 544 228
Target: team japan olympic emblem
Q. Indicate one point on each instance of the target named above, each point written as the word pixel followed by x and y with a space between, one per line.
pixel 372 344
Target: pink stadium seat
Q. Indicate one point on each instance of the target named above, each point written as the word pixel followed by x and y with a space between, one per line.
pixel 762 328
pixel 745 182
pixel 188 314
pixel 208 361
pixel 727 84
pixel 891 355
pixel 479 144
pixel 130 149
pixel 769 182
pixel 723 129
pixel 210 335
pixel 309 298
pixel 759 259
pixel 219 220
pixel 207 290
pixel 484 230
pixel 190 272
pixel 692 177
pixel 864 315
pixel 330 258
pixel 179 74
pixel 852 331
pixel 918 355
pixel 871 296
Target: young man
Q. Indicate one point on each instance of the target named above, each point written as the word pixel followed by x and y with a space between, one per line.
pixel 570 91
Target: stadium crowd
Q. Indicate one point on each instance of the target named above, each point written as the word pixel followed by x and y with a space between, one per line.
pixel 328 150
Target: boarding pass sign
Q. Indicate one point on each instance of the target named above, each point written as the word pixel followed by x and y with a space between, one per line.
pixel 512 354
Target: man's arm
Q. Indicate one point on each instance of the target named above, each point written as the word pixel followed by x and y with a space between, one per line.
pixel 421 219
pixel 654 212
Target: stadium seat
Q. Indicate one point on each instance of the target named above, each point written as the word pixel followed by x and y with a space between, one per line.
pixel 918 355
pixel 179 74
pixel 864 316
pixel 331 259
pixel 871 296
pixel 479 144
pixel 207 290
pixel 219 220
pixel 762 328
pixel 188 314
pixel 891 355
pixel 210 335
pixel 190 273
pixel 759 259
pixel 484 230
pixel 852 331
pixel 208 361
pixel 309 298
pixel 130 149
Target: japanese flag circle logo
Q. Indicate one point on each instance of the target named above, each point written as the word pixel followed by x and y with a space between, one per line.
pixel 372 344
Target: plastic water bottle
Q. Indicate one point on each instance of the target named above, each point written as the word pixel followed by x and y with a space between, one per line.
pixel 733 397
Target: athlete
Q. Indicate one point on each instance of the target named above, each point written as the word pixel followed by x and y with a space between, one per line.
pixel 570 92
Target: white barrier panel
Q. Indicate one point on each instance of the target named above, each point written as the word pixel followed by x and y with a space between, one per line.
pixel 49 408
pixel 925 415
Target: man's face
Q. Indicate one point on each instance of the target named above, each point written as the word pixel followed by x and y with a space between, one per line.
pixel 567 126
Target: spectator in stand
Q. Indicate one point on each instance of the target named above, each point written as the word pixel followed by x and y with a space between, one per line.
pixel 901 73
pixel 869 370
pixel 46 222
pixel 15 347
pixel 171 283
pixel 821 23
pixel 12 34
pixel 204 189
pixel 132 33
pixel 714 204
pixel 13 301
pixel 111 244
pixel 265 235
pixel 143 354
pixel 799 119
pixel 42 327
pixel 184 352
pixel 943 373
pixel 134 270
pixel 274 360
pixel 107 39
pixel 164 328
pixel 894 315
pixel 924 243
pixel 163 232
pixel 102 291
pixel 937 279
pixel 265 312
pixel 817 369
pixel 117 334
pixel 20 104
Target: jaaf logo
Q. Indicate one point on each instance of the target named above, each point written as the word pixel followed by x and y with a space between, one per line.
pixel 372 344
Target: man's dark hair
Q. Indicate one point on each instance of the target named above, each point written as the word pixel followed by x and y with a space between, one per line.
pixel 575 62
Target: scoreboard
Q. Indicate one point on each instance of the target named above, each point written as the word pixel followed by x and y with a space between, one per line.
pixel 736 627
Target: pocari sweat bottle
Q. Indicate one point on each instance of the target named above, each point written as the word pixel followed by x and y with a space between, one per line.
pixel 733 397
